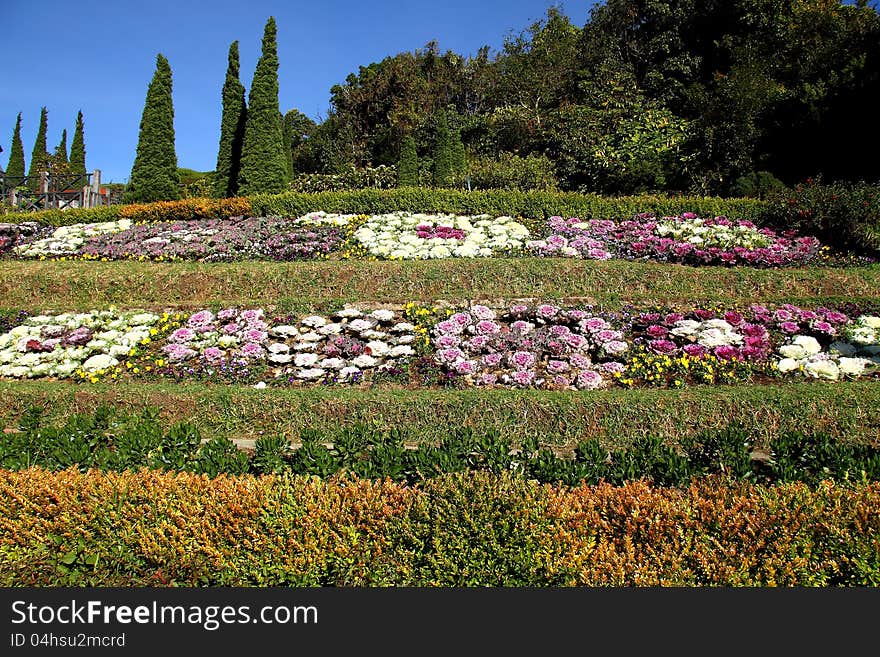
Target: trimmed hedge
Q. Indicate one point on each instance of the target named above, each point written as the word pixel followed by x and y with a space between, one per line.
pixel 156 529
pixel 848 412
pixel 537 205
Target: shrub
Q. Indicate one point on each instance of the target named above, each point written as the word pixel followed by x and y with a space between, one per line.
pixel 509 171
pixel 758 184
pixel 381 177
pixel 842 215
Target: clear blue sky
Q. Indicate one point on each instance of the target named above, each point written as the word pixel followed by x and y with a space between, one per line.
pixel 100 56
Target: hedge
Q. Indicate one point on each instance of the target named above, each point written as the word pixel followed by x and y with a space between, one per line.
pixel 532 204
pixel 157 529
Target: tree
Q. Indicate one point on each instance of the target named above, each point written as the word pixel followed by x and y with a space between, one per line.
pixel 39 155
pixel 232 125
pixel 61 148
pixel 408 166
pixel 78 147
pixel 297 129
pixel 459 159
pixel 263 163
pixel 154 173
pixel 15 167
pixel 443 152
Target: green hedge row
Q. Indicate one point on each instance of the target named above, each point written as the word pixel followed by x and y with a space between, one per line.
pixel 111 441
pixel 536 205
pixel 150 528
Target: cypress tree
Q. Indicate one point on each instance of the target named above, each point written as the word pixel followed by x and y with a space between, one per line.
pixel 39 155
pixel 443 164
pixel 231 129
pixel 78 147
pixel 287 139
pixel 61 148
pixel 154 174
pixel 15 167
pixel 459 159
pixel 408 165
pixel 263 165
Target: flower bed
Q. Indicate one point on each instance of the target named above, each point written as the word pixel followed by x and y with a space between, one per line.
pixel 68 240
pixel 687 239
pixel 523 345
pixel 408 236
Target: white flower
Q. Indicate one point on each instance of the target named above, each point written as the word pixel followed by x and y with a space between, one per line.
pixel 305 360
pixel 809 344
pixel 364 360
pixel 278 348
pixel 330 329
pixel 348 372
pixel 227 341
pixel 787 365
pixel 374 335
pixel 401 350
pixel 853 366
pixel 382 315
pixel 311 336
pixel 260 386
pixel 402 327
pixel 378 348
pixel 348 313
pixel 332 364
pixel 314 321
pixel 309 374
pixel 360 325
pixel 99 362
pixel 285 331
pixel 870 321
pixel 405 339
pixel 280 359
pixel 822 369
pixel 143 319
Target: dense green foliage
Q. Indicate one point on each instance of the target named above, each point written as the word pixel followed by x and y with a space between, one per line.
pixel 510 171
pixel 649 95
pixel 264 165
pixel 78 147
pixel 61 149
pixel 39 154
pixel 408 167
pixel 111 441
pixel 154 173
pixel 151 528
pixel 15 167
pixel 232 125
pixel 442 173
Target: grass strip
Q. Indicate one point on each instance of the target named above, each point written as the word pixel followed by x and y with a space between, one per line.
pixel 847 411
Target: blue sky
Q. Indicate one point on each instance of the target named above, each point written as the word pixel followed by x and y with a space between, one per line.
pixel 100 56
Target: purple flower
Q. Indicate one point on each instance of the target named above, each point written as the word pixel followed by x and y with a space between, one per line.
pixel 615 347
pixel 726 352
pixel 835 317
pixel 612 367
pixel 523 377
pixel 518 310
pixel 557 366
pixel 823 327
pixel 492 360
pixel 522 360
pixel 521 326
pixel 212 354
pixel 252 335
pixel 561 381
pixel 575 341
pixel 477 343
pixel 201 318
pixel 789 327
pixel 594 324
pixel 733 318
pixel 487 379
pixel 450 355
pixel 465 367
pixel 227 314
pixel 559 330
pixel 579 362
pixel 589 379
pixel 662 347
pixel 448 341
pixel 482 312
pixel 177 352
pixel 547 311
pixel 449 327
pixel 656 331
pixel 487 327
pixel 251 316
pixel 182 335
pixel 782 315
pixel 695 350
pixel 462 319
pixel 672 318
pixel 231 329
pixel 251 350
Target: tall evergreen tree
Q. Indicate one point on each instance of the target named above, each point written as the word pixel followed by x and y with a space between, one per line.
pixel 39 155
pixel 263 163
pixel 78 147
pixel 459 159
pixel 408 165
pixel 15 167
pixel 61 148
pixel 443 152
pixel 154 174
pixel 231 129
